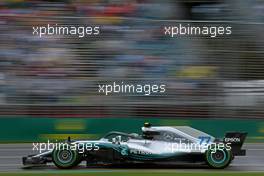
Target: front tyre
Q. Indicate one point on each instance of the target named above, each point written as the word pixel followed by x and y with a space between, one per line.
pixel 65 158
pixel 218 158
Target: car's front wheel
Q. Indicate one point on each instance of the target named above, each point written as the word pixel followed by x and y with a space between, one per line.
pixel 65 158
pixel 218 158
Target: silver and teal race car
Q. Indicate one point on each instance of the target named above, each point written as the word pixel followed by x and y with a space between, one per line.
pixel 156 145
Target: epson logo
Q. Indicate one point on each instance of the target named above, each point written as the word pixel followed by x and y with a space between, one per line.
pixel 232 140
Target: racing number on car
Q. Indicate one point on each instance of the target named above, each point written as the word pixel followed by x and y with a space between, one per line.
pixel 204 139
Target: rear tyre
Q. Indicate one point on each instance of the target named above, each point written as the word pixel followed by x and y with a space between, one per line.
pixel 218 158
pixel 65 158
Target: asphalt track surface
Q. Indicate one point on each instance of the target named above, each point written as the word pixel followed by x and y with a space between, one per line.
pixel 11 161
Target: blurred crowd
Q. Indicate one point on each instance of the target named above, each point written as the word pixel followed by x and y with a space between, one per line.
pixel 65 71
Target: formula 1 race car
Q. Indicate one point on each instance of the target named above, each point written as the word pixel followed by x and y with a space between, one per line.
pixel 156 145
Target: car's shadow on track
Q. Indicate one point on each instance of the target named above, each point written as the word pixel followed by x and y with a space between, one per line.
pixel 123 166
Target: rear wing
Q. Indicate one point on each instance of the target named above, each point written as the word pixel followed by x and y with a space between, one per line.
pixel 236 140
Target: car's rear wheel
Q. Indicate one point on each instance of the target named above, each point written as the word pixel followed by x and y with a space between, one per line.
pixel 218 158
pixel 65 158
